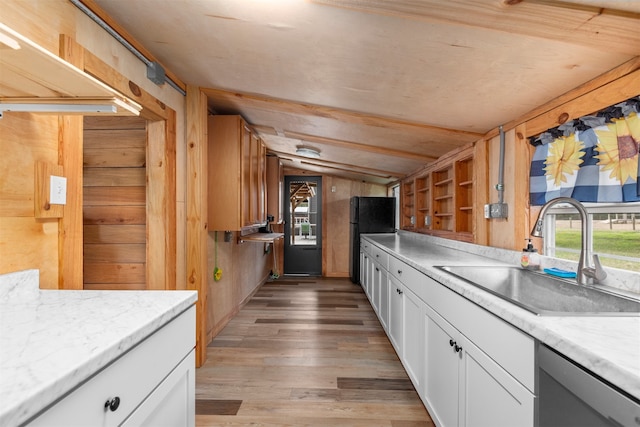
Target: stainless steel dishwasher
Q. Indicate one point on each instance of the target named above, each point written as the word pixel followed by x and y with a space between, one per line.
pixel 569 395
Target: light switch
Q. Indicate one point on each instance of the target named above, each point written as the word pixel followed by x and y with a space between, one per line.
pixel 58 190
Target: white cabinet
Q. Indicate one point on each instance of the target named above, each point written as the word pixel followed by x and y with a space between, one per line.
pixel 489 396
pixel 151 385
pixel 376 285
pixel 469 367
pixel 395 314
pixel 464 386
pixel 407 324
pixel 383 311
pixel 379 261
pixel 442 364
pixel 413 339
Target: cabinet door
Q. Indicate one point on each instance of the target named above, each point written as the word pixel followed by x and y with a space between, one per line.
pixel 275 184
pixel 173 403
pixel 441 369
pixel 245 176
pixel 383 313
pixel 262 183
pixel 363 270
pixel 489 396
pixel 413 320
pixel 376 285
pixel 396 326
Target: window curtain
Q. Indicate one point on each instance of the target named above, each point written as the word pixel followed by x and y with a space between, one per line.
pixel 592 159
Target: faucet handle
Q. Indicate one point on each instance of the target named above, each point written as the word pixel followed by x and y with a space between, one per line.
pixel 598 272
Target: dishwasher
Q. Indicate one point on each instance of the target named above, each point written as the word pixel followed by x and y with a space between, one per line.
pixel 569 396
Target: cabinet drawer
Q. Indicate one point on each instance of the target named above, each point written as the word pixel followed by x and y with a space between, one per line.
pixel 131 378
pixel 405 273
pixel 512 349
pixel 366 246
pixel 380 256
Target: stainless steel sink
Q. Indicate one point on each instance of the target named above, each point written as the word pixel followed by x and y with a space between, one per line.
pixel 543 294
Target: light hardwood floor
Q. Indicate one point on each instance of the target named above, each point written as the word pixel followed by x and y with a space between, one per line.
pixel 306 352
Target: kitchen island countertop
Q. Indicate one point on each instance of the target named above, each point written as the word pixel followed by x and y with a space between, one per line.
pixel 607 346
pixel 51 341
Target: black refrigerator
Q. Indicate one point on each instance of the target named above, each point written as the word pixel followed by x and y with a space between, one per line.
pixel 368 215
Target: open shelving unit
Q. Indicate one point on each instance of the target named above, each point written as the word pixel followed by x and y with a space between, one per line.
pixel 440 198
pixel 464 195
pixel 408 205
pixel 443 193
pixel 423 202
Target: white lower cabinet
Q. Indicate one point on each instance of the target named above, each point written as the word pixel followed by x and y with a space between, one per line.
pixel 151 385
pixel 442 370
pixel 383 311
pixel 465 387
pixel 489 396
pixel 413 340
pixel 396 328
pixel 470 367
pixel 376 283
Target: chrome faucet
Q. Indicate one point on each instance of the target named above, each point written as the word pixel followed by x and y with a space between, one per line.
pixel 586 275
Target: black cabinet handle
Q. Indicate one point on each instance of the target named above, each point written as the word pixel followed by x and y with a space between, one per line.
pixel 399 271
pixel 457 348
pixel 377 269
pixel 452 343
pixel 112 404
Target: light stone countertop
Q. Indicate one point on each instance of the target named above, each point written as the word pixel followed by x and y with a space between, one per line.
pixel 53 340
pixel 607 346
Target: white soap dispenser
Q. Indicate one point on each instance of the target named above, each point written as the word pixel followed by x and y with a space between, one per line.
pixel 530 258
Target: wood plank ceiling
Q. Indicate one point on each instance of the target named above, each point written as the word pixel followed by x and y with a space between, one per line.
pixel 380 87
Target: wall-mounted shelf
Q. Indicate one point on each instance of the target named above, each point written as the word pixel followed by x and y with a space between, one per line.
pixel 261 237
pixel 35 80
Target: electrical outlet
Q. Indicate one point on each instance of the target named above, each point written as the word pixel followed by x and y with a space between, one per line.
pixel 496 210
pixel 57 190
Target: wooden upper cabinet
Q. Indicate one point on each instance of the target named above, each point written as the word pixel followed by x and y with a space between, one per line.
pixel 237 175
pixel 275 185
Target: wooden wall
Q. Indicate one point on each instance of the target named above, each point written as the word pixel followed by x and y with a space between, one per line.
pixel 245 267
pixel 608 89
pixel 114 208
pixel 26 242
pixel 52 246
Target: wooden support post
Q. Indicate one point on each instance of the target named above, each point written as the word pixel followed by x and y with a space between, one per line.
pixel 70 146
pixel 197 212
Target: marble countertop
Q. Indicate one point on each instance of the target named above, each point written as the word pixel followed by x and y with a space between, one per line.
pixel 53 340
pixel 607 346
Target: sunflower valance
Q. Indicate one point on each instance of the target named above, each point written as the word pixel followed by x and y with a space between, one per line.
pixel 592 159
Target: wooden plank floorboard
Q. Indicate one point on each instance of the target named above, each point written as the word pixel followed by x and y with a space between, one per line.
pixel 306 352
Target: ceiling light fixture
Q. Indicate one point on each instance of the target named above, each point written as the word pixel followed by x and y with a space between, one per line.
pixel 308 152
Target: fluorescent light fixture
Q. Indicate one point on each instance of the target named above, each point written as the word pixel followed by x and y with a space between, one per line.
pixel 308 152
pixel 9 41
pixel 58 108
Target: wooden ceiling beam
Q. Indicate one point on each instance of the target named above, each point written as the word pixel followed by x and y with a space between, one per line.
pixel 243 101
pixel 338 166
pixel 361 147
pixel 564 21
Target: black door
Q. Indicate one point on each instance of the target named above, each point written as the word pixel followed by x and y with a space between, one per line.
pixel 303 225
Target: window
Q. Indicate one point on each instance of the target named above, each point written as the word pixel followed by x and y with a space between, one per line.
pixel 616 233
